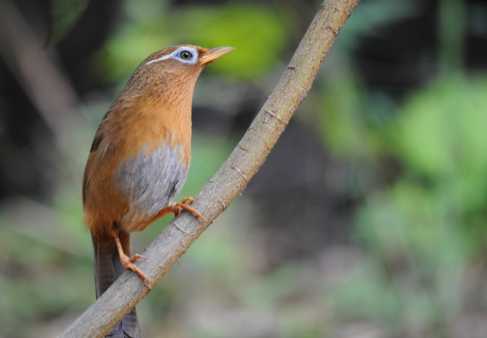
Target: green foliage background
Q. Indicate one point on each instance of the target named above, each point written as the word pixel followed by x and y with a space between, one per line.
pixel 415 241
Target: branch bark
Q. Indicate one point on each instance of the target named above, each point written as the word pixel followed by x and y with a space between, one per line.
pixel 230 180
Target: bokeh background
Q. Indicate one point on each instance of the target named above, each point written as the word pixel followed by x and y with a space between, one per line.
pixel 367 221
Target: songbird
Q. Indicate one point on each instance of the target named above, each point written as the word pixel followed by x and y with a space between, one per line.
pixel 139 161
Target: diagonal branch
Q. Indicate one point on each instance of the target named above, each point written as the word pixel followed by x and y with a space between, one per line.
pixel 230 180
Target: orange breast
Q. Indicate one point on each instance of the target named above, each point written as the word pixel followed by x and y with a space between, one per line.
pixel 138 133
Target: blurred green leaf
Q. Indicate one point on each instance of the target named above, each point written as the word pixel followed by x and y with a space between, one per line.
pixel 451 34
pixel 257 32
pixel 406 220
pixel 369 288
pixel 416 237
pixel 441 132
pixel 64 15
pixel 343 122
pixel 128 48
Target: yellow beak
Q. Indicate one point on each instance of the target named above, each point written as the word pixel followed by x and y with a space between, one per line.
pixel 213 54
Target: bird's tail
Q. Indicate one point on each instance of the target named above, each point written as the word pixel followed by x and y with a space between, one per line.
pixel 107 270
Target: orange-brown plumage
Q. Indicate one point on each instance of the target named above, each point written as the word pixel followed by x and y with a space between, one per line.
pixel 141 153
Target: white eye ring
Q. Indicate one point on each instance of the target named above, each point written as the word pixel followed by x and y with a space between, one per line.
pixel 186 55
pixel 177 55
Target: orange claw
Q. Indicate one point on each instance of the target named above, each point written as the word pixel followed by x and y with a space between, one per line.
pixel 185 205
pixel 178 208
pixel 128 262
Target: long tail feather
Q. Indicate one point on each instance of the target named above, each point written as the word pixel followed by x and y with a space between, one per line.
pixel 107 270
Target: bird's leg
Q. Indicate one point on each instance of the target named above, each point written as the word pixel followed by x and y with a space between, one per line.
pixel 177 208
pixel 128 262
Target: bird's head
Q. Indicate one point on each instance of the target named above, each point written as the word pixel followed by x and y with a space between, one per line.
pixel 185 58
pixel 173 69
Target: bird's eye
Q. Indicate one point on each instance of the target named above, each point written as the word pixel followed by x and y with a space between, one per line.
pixel 186 55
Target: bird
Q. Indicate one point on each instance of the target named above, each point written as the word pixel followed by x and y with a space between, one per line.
pixel 139 160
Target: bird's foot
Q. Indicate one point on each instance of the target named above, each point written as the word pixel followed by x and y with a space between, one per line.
pixel 136 257
pixel 185 205
pixel 128 264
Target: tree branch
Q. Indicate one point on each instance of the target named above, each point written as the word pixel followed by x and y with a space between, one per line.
pixel 230 180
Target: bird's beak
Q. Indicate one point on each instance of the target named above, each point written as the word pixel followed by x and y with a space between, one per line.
pixel 213 54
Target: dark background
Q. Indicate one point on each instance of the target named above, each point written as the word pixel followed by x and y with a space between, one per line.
pixel 367 220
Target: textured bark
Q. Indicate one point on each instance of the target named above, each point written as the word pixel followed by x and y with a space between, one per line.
pixel 230 180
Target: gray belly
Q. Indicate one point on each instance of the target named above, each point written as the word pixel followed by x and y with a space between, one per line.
pixel 150 181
